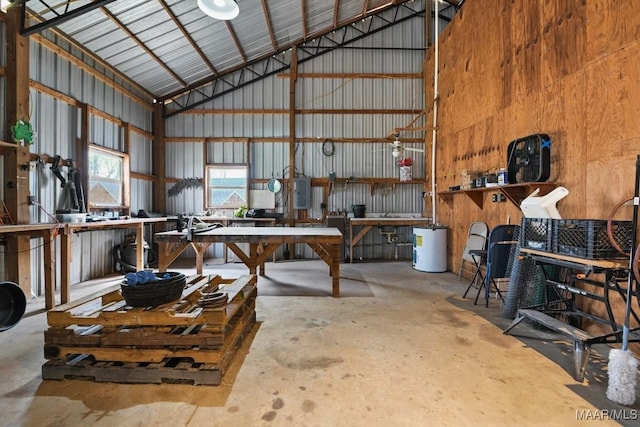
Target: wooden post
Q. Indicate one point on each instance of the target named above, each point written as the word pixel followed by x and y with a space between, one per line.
pixel 159 192
pixel 82 153
pixel 16 162
pixel 293 77
pixel 428 28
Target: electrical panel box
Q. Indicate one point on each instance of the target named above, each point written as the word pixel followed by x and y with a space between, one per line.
pixel 302 193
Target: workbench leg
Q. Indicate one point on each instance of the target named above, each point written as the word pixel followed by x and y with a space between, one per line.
pixel 253 255
pixel 519 318
pixel 49 271
pixel 335 270
pixel 163 256
pixel 581 353
pixel 350 244
pixel 200 249
pixel 65 269
pixel 140 246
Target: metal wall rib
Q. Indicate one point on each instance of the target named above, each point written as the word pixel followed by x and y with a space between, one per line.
pixel 391 51
pixel 394 51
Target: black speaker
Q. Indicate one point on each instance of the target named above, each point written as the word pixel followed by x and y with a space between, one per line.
pixel 529 159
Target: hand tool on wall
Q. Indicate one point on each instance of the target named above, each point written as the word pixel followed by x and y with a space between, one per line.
pixel 55 168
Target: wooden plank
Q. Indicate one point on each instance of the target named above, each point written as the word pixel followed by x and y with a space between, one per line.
pixel 238 285
pixel 185 312
pixel 602 263
pixel 209 337
pixel 141 373
pixel 133 354
pixel 138 355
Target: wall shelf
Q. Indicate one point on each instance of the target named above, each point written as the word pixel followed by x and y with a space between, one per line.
pixel 5 147
pixel 513 192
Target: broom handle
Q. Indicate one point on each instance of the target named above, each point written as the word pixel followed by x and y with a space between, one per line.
pixel 627 311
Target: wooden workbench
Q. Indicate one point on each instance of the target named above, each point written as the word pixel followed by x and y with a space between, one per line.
pixel 599 290
pixel 619 264
pixel 263 241
pixel 227 222
pixel 369 222
pixel 48 234
pixel 66 240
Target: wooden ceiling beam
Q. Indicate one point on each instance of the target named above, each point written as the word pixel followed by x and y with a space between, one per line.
pixel 280 49
pixel 365 8
pixel 188 37
pixel 267 18
pixel 236 41
pixel 303 6
pixel 143 46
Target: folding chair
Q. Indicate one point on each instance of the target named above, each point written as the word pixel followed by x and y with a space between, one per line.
pixel 502 241
pixel 476 240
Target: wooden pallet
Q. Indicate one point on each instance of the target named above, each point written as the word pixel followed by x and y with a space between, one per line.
pixel 197 336
pixel 169 371
pixel 108 308
pixel 100 337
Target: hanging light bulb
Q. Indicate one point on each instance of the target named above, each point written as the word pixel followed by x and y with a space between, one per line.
pixel 219 9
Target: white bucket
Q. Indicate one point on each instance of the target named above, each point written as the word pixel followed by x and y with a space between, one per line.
pixel 406 173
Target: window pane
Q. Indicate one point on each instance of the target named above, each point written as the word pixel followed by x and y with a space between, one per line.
pixel 226 186
pixel 105 178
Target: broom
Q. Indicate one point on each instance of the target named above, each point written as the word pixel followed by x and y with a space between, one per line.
pixel 623 366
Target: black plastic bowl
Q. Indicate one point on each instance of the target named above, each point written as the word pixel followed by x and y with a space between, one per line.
pixel 13 303
pixel 157 292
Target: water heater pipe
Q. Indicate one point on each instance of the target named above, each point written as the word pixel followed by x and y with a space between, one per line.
pixel 434 219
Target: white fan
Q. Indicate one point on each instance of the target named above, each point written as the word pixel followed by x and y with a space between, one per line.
pixel 398 148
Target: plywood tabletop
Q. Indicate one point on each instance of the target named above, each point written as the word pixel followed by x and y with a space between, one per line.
pixel 22 228
pixel 386 220
pixel 262 231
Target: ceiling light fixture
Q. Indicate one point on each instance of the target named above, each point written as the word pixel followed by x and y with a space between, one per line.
pixel 219 9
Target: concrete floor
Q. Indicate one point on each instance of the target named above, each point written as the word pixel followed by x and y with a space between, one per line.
pixel 413 354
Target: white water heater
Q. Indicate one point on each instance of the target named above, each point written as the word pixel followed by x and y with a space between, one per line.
pixel 430 249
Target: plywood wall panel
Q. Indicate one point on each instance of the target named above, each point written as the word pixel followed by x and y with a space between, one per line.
pixel 611 25
pixel 516 25
pixel 613 93
pixel 564 39
pixel 466 70
pixel 567 68
pixel 605 174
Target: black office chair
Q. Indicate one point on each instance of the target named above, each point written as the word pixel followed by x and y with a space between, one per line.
pixel 503 240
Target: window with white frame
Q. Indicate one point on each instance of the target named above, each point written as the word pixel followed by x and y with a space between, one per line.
pixel 108 176
pixel 227 186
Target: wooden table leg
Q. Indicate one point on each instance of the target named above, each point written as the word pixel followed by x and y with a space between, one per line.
pixel 254 253
pixel 335 270
pixel 330 254
pixel 247 259
pixel 140 246
pixel 354 240
pixel 350 243
pixel 200 249
pixel 168 252
pixel 65 269
pixel 49 270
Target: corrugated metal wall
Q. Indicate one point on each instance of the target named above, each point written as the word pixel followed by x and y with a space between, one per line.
pixel 398 50
pixel 57 125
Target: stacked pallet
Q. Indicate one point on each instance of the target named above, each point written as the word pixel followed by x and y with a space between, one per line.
pixel 100 338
